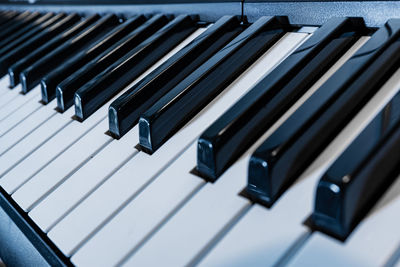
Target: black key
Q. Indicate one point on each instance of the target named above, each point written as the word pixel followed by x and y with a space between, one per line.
pixel 100 89
pixel 31 34
pixel 283 156
pixel 28 28
pixel 360 176
pixel 236 130
pixel 50 82
pixel 30 77
pixel 14 21
pixel 125 111
pixel 19 25
pixel 7 16
pixel 44 37
pixel 65 91
pixel 3 14
pixel 16 69
pixel 44 51
pixel 186 99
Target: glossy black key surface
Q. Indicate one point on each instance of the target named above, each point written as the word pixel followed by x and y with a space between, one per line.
pixel 125 111
pixel 27 29
pixel 30 46
pixel 65 91
pixel 15 70
pixel 284 155
pixel 185 100
pixel 352 185
pixel 30 77
pixel 19 25
pixel 48 49
pixel 31 34
pixel 17 20
pixel 50 81
pixel 100 89
pixel 7 16
pixel 238 128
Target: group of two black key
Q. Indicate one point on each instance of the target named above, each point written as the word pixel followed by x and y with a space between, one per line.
pixel 86 61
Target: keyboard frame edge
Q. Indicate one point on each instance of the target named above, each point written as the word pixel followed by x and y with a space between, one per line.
pixel 33 246
pixel 311 13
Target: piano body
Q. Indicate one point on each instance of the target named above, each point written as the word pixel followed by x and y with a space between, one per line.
pixel 210 133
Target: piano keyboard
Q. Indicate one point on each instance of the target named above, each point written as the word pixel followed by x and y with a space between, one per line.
pixel 158 139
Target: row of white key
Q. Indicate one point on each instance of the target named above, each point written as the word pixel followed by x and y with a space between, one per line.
pixel 29 156
pixel 142 183
pixel 129 226
pixel 86 147
pixel 211 211
pixel 17 108
pixel 269 234
pixel 26 127
pixel 30 143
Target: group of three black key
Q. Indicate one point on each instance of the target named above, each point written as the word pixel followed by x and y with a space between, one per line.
pixel 85 61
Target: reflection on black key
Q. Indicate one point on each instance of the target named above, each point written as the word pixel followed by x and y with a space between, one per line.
pixel 34 25
pixel 50 81
pixel 125 111
pixel 116 77
pixel 236 130
pixel 298 141
pixel 65 91
pixel 27 48
pixel 7 16
pixel 17 20
pixel 31 34
pixel 352 185
pixel 19 25
pixel 31 76
pixel 185 100
pixel 43 51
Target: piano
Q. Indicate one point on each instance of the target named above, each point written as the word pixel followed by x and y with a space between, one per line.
pixel 199 133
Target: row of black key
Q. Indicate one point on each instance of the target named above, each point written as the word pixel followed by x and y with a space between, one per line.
pixel 49 33
pixel 358 178
pixel 66 89
pixel 352 185
pixel 87 61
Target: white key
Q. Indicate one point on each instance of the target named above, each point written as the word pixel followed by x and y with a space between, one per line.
pixel 24 128
pixel 60 141
pixel 190 230
pixel 372 243
pixel 48 178
pixel 119 152
pixel 12 109
pixel 9 96
pixel 131 232
pixel 16 116
pixel 52 175
pixel 50 144
pixel 220 213
pixel 208 212
pixel 76 187
pixel 122 225
pixel 26 146
pixel 46 152
pixel 4 88
pixel 273 231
